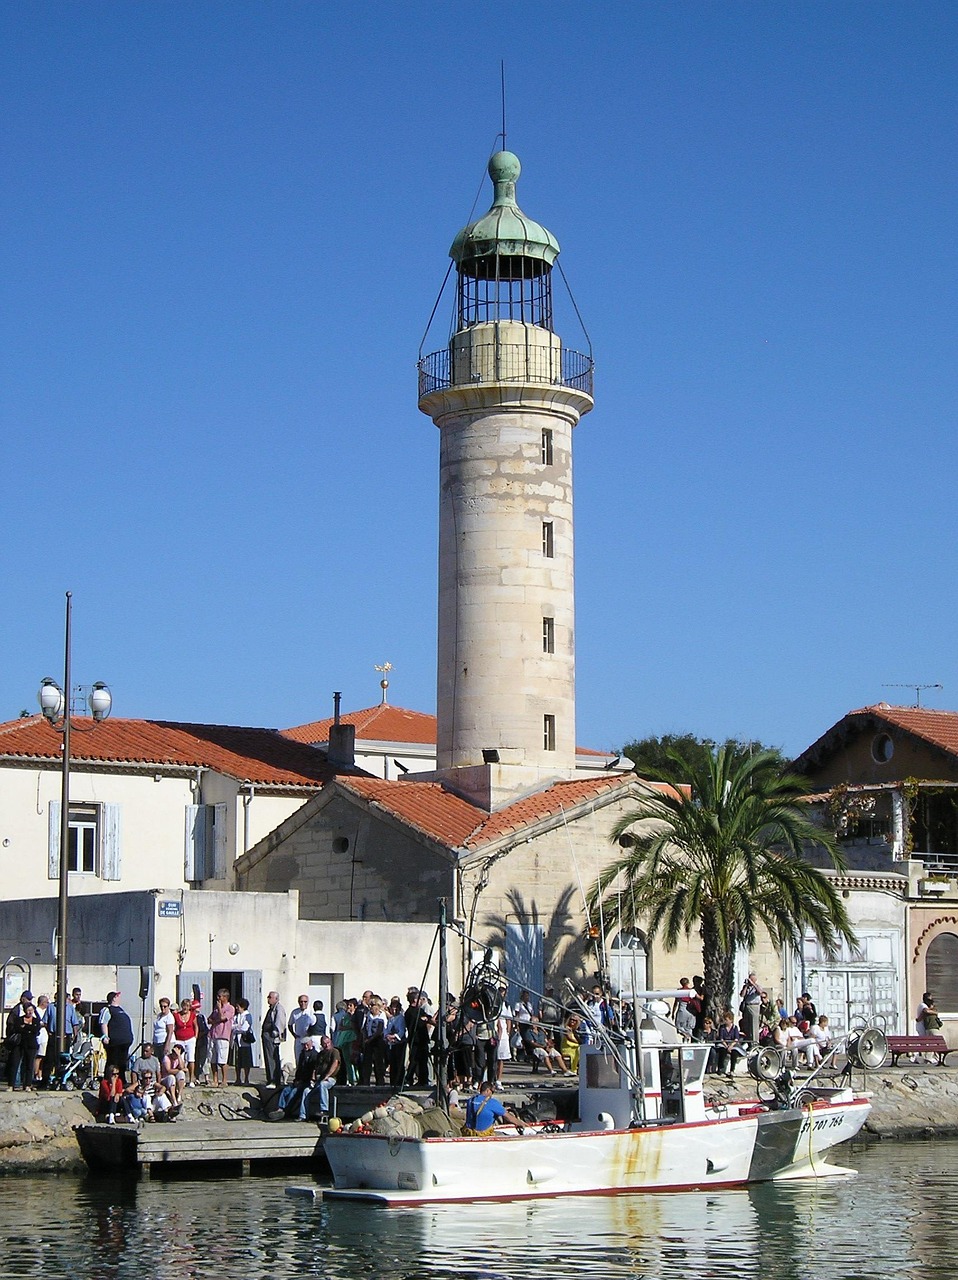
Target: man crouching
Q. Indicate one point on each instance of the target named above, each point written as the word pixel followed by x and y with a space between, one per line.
pixel 483 1109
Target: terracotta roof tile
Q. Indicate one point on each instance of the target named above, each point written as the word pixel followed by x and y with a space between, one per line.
pixel 386 723
pixel 424 805
pixel 257 755
pixel 383 723
pixel 937 728
pixel 455 822
pixel 940 728
pixel 547 803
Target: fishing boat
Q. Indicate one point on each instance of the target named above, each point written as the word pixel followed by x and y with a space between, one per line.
pixel 644 1124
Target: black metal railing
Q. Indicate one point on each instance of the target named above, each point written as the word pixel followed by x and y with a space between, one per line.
pixel 505 362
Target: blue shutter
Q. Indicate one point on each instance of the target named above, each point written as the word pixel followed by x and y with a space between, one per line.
pixel 53 841
pixel 218 869
pixel 109 842
pixel 525 945
pixel 195 846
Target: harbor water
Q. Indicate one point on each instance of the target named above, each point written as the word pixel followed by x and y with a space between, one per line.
pixel 897 1218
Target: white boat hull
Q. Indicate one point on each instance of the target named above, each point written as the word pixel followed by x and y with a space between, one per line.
pixel 719 1151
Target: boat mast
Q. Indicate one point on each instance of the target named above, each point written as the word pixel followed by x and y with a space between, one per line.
pixel 638 1077
pixel 442 1090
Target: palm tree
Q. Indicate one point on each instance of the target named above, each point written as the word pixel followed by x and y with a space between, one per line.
pixel 722 857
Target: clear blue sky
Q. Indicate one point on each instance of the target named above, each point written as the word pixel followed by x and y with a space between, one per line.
pixel 223 230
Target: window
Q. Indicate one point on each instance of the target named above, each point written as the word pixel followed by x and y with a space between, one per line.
pixel 548 635
pixel 83 842
pixel 547 446
pixel 548 543
pixel 549 733
pixel 205 854
pixel 93 842
pixel 882 748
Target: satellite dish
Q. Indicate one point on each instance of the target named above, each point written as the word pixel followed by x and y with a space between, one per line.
pixel 868 1049
pixel 767 1064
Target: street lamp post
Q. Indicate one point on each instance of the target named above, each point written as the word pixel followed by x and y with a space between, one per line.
pixel 55 706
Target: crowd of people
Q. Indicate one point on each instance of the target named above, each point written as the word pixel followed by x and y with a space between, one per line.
pixel 803 1036
pixel 30 1038
pixel 368 1039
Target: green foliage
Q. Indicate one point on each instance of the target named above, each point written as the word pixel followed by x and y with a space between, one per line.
pixel 653 755
pixel 722 858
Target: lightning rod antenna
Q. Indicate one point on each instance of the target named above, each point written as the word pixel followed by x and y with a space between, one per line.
pixel 502 88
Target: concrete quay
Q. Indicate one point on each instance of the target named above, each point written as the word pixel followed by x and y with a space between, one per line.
pixel 38 1130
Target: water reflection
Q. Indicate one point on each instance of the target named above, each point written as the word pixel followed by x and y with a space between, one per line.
pixel 899 1218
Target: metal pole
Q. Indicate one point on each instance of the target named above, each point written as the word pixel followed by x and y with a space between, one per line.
pixel 64 848
pixel 442 1092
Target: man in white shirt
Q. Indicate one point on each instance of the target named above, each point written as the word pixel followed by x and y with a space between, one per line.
pixel 300 1025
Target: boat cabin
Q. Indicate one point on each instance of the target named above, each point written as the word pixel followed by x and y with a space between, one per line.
pixel 669 1088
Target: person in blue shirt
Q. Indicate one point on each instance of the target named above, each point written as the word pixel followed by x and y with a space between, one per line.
pixel 483 1109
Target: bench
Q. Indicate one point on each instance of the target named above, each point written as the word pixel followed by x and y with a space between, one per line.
pixel 900 1045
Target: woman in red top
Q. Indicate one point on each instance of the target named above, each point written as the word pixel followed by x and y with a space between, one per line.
pixel 108 1099
pixel 184 1033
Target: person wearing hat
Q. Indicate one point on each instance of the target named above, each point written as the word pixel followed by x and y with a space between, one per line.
pixel 22 1035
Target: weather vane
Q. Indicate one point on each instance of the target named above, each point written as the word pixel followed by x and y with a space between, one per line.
pixel 385 669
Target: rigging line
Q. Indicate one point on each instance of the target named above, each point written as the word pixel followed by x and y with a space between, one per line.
pixel 578 874
pixel 435 307
pixel 601 948
pixel 575 305
pixel 451 264
pixel 407 1074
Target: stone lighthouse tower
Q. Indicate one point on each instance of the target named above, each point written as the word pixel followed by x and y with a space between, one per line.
pixel 505 395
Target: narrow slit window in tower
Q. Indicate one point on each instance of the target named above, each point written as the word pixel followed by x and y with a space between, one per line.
pixel 549 733
pixel 547 446
pixel 548 635
pixel 548 541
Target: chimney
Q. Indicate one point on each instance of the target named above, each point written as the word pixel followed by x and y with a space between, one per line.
pixel 341 748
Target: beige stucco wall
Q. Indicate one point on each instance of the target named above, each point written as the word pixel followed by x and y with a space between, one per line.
pixel 348 865
pixel 386 873
pixel 853 762
pixel 152 828
pixel 260 934
pixel 925 923
pixel 152 824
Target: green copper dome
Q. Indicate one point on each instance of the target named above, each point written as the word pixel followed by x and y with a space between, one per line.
pixel 504 244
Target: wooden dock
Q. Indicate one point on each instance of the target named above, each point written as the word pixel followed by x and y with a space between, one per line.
pixel 153 1148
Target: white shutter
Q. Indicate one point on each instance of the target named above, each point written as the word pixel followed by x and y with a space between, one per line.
pixel 53 841
pixel 203 979
pixel 218 870
pixel 195 842
pixel 109 842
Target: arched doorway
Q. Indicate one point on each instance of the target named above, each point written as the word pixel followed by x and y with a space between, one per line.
pixel 941 971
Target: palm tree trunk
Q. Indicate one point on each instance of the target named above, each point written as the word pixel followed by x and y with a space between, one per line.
pixel 717 970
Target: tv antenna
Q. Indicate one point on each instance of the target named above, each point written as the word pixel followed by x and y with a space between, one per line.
pixel 917 688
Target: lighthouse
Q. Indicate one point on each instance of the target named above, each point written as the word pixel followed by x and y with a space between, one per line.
pixel 505 394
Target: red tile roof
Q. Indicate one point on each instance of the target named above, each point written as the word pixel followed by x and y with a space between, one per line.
pixel 936 728
pixel 457 823
pixel 383 723
pixel 939 728
pixel 256 755
pixel 386 723
pixel 426 806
